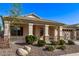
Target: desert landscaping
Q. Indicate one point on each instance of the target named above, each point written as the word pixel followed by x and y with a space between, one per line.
pixel 40 49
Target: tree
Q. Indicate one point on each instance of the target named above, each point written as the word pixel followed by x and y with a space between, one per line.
pixel 15 12
pixel 2 26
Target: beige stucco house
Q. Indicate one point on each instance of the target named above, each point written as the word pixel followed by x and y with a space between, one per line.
pixel 44 29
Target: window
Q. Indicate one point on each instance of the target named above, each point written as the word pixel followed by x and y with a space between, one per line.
pixel 16 31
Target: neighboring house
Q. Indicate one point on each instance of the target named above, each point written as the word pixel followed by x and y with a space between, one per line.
pixel 71 32
pixel 34 25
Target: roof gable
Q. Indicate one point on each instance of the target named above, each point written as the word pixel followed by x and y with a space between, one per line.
pixel 32 16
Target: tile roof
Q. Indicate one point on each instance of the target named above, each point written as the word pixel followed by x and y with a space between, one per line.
pixel 37 19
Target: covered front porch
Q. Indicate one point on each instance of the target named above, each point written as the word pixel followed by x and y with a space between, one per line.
pixel 42 31
pixel 22 26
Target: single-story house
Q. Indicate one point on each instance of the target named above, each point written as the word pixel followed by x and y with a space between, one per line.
pixel 32 24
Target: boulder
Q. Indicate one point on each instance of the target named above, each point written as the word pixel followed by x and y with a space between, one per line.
pixel 27 48
pixel 21 52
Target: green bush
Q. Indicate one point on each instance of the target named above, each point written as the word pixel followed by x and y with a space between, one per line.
pixel 50 48
pixel 41 42
pixel 54 43
pixel 30 39
pixel 62 47
pixel 61 42
pixel 70 42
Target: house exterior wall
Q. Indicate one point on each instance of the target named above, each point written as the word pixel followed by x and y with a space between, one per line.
pixel 37 29
pixel 25 30
pixel 51 32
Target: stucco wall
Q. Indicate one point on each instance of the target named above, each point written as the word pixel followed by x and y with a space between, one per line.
pixel 25 30
pixel 36 31
pixel 51 33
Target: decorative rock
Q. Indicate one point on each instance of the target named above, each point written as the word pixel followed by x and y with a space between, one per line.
pixel 27 48
pixel 21 52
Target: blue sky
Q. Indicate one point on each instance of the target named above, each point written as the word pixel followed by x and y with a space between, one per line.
pixel 66 13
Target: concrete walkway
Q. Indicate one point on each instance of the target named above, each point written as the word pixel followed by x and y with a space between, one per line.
pixel 73 54
pixel 76 42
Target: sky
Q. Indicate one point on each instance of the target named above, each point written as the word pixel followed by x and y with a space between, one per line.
pixel 67 13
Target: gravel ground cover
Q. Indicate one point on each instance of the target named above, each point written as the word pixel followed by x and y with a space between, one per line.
pixel 38 51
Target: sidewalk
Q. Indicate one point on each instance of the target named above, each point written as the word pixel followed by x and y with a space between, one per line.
pixel 73 54
pixel 76 42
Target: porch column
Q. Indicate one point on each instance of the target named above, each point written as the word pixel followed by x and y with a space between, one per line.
pixel 55 34
pixel 7 30
pixel 46 32
pixel 5 43
pixel 60 32
pixel 30 29
pixel 74 35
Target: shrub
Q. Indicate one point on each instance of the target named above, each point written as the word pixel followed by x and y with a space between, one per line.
pixel 62 47
pixel 30 39
pixel 70 42
pixel 41 42
pixel 50 48
pixel 53 42
pixel 61 42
